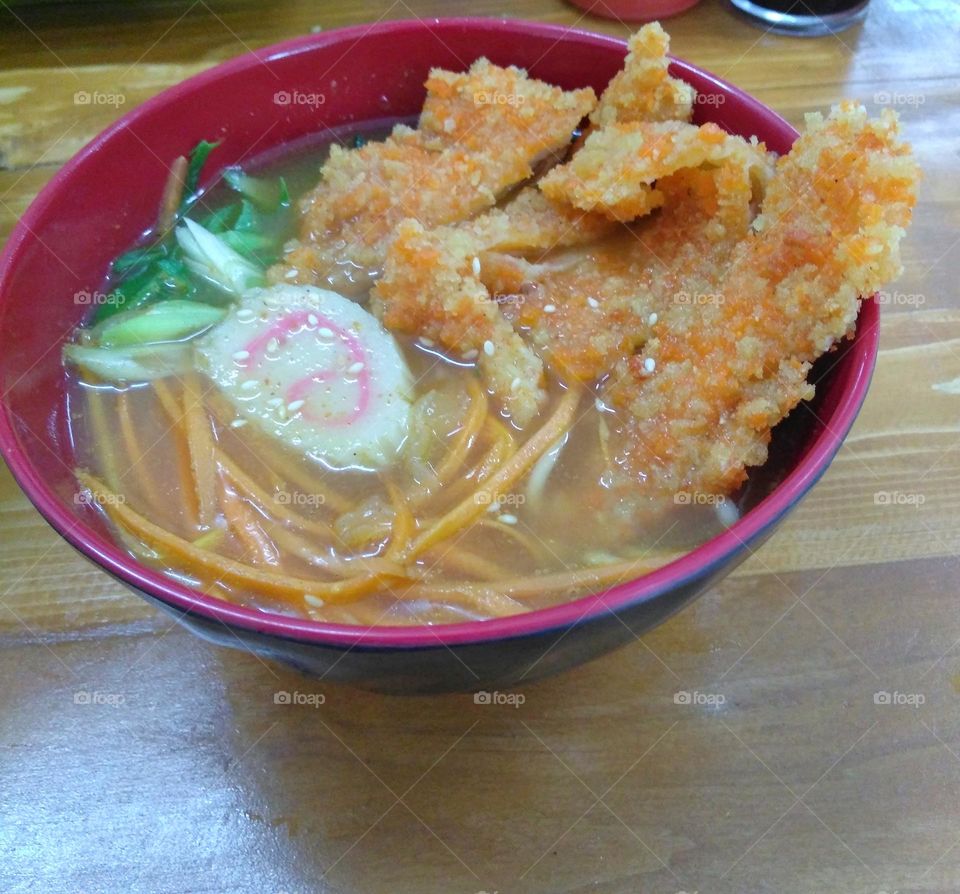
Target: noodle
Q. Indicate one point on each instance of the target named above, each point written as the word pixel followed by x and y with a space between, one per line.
pixel 202 460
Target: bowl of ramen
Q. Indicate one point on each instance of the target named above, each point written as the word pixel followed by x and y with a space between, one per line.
pixel 443 356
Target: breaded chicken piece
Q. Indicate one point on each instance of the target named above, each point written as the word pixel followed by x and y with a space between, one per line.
pixel 430 289
pixel 698 405
pixel 615 171
pixel 481 132
pixel 532 223
pixel 583 311
pixel 643 91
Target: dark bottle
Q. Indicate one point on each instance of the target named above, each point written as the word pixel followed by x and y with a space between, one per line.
pixel 808 18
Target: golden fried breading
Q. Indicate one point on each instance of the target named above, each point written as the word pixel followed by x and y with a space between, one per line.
pixel 530 222
pixel 481 132
pixel 615 171
pixel 430 289
pixel 643 91
pixel 585 310
pixel 698 405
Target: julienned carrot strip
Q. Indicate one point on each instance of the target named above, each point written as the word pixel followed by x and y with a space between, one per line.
pixel 174 410
pixel 465 438
pixel 128 430
pixel 281 585
pixel 404 526
pixel 544 584
pixel 240 520
pixel 202 459
pixel 272 505
pixel 505 477
pixel 275 462
pixel 101 436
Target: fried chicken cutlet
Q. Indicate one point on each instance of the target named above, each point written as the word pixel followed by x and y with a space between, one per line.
pixel 481 132
pixel 697 406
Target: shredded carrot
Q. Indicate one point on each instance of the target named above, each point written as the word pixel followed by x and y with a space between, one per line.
pixel 404 525
pixel 145 481
pixel 284 586
pixel 271 504
pixel 243 524
pixel 201 444
pixel 499 483
pixel 174 410
pixel 457 455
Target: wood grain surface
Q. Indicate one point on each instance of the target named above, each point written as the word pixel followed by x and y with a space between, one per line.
pixel 134 757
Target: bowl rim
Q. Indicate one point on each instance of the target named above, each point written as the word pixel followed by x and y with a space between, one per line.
pixel 691 566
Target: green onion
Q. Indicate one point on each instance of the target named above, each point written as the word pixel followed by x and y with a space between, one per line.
pixel 141 363
pixel 267 195
pixel 213 259
pixel 166 321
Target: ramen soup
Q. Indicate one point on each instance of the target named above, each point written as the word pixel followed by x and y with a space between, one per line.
pixel 489 360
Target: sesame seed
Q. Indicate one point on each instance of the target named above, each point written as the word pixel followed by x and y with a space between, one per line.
pixel 488 348
pixel 315 601
pixel 507 518
pixel 649 364
pixel 241 355
pixel 599 405
pixel 273 346
pixel 274 402
pixel 354 368
pixel 312 320
pixel 652 319
pixel 476 266
pixel 325 332
pixel 250 385
pixel 427 342
pixel 295 405
pixel 238 423
pixel 244 315
pixel 549 308
pixel 290 274
pixel 593 303
pixel 515 384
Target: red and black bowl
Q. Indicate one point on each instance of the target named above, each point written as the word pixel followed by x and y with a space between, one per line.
pixel 107 196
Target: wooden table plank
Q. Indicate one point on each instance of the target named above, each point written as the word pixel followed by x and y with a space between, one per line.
pixel 135 756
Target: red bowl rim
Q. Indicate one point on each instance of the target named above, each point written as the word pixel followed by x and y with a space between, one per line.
pixel 696 564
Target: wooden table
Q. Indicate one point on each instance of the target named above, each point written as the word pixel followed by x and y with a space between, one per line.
pixel 181 774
